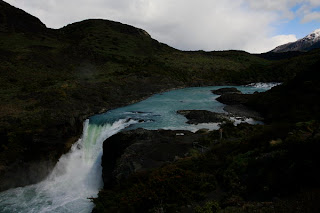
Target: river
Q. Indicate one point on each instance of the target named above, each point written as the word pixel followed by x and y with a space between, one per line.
pixel 77 175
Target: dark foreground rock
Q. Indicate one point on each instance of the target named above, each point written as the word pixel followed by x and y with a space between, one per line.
pixel 234 98
pixel 139 150
pixel 222 91
pixel 237 105
pixel 242 111
pixel 202 116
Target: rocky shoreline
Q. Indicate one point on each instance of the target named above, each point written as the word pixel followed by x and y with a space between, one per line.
pixel 242 111
pixel 139 150
pixel 135 152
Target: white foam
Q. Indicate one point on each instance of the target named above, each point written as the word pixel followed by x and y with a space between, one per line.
pixel 239 120
pixel 264 85
pixel 193 128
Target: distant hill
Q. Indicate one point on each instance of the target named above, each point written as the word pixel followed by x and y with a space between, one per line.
pixel 311 41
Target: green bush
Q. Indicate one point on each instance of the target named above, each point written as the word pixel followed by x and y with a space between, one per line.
pixel 208 207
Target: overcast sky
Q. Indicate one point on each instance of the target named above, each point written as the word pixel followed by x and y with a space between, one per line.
pixel 252 25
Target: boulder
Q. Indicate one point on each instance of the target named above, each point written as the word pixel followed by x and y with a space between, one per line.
pixel 139 150
pixel 227 90
pixel 202 116
pixel 233 98
pixel 243 112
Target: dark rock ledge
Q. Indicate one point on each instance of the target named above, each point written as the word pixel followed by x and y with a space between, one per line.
pixel 227 90
pixel 138 150
pixel 234 98
pixel 236 105
pixel 203 116
pixel 243 112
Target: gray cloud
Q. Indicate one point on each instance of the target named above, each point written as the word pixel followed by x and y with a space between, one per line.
pixel 306 11
pixel 311 17
pixel 283 7
pixel 183 24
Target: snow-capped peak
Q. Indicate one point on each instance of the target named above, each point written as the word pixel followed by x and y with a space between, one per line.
pixel 307 43
pixel 315 35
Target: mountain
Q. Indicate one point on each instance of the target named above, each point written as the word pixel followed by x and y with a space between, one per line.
pixel 311 41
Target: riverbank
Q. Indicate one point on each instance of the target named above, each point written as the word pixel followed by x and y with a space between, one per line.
pixel 264 168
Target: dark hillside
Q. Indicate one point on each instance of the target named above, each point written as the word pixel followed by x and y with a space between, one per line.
pixel 280 56
pixel 11 20
pixel 294 101
pixel 104 39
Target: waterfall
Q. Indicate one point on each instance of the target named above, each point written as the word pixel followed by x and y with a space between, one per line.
pixel 75 178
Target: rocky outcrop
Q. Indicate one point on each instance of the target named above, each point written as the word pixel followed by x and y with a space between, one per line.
pixel 138 150
pixel 236 103
pixel 202 116
pixel 222 91
pixel 243 112
pixel 233 98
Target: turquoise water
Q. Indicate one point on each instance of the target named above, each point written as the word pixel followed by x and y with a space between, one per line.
pixel 160 110
pixel 77 175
